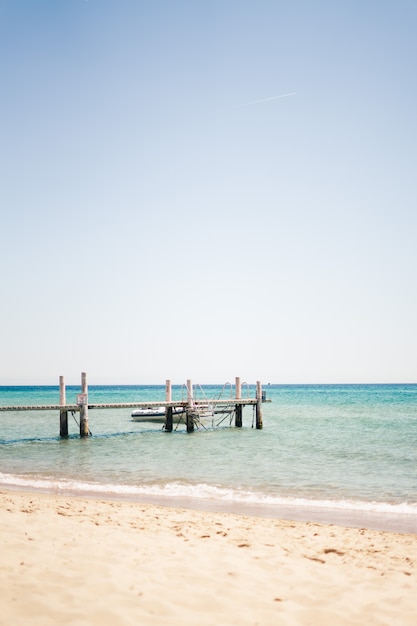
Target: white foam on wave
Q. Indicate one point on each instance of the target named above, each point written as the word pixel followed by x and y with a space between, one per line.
pixel 202 491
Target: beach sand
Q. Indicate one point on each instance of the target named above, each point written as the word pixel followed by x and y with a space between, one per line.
pixel 69 560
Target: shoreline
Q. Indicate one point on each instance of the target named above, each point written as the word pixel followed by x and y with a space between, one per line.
pixel 350 518
pixel 84 560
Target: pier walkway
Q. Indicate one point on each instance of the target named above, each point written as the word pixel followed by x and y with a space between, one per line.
pixel 187 410
pixel 225 403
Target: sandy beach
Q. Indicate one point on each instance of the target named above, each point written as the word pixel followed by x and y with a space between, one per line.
pixel 68 560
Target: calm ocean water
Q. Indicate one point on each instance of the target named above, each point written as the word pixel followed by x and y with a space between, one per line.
pixel 327 452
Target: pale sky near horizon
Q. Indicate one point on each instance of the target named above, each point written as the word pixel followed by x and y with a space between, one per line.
pixel 207 190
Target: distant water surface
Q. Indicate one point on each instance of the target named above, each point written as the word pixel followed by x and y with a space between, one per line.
pixel 343 453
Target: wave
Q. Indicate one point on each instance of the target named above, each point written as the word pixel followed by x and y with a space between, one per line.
pixel 200 492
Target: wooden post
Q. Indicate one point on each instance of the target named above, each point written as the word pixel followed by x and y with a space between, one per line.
pixel 84 430
pixel 190 406
pixel 238 407
pixel 259 424
pixel 168 410
pixel 63 414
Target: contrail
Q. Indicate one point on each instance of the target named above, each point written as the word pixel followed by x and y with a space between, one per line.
pixel 284 95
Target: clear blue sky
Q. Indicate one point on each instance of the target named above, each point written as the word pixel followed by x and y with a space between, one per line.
pixel 207 190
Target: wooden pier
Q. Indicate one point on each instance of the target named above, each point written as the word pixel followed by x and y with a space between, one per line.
pixel 188 407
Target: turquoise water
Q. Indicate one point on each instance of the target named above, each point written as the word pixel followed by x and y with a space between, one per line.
pixel 325 448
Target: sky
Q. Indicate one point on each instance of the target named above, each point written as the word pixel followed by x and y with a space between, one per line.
pixel 204 190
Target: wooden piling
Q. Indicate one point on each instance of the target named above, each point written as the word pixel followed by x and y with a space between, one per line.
pixel 84 430
pixel 258 409
pixel 63 414
pixel 190 406
pixel 168 412
pixel 238 407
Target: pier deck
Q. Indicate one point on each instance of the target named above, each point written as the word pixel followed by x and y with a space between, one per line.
pixel 130 405
pixel 189 406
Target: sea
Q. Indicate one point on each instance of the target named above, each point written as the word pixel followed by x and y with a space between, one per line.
pixel 338 454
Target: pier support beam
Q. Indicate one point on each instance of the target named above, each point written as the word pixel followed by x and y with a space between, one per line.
pixel 168 411
pixel 238 407
pixel 84 430
pixel 63 414
pixel 258 409
pixel 190 406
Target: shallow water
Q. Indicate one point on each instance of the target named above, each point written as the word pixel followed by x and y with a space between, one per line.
pixel 331 448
